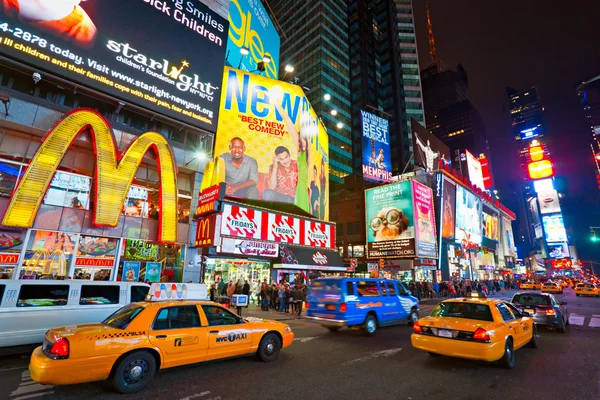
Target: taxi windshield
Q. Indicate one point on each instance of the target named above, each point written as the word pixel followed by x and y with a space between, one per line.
pixel 121 318
pixel 463 310
pixel 531 300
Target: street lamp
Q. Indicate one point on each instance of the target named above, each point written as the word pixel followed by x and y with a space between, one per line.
pixel 340 125
pixel 334 112
pixel 288 69
pixel 200 156
pixel 244 51
pixel 327 97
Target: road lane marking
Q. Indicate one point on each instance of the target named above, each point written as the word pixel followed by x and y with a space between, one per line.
pixel 595 322
pixel 306 339
pixel 575 319
pixel 196 396
pixel 373 355
pixel 11 369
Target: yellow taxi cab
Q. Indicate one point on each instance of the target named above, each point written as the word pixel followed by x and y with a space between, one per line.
pixel 129 346
pixel 475 328
pixel 551 287
pixel 564 283
pixel 531 285
pixel 587 289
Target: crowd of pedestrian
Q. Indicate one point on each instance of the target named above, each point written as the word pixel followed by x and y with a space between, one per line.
pixel 460 288
pixel 283 296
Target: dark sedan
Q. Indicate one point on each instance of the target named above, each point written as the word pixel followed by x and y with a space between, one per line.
pixel 544 308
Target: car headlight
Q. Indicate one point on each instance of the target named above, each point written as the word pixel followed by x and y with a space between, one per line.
pixel 287 329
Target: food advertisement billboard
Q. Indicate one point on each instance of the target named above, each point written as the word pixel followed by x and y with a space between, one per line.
pixel 490 225
pixel 390 221
pixel 251 28
pixel 137 51
pixel 549 203
pixel 424 220
pixel 376 158
pixel 554 228
pixel 448 210
pixel 468 217
pixel 273 146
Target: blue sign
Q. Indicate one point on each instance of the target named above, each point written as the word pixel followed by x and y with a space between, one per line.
pixel 376 158
pixel 530 133
pixel 554 228
pixel 131 271
pixel 251 28
pixel 153 270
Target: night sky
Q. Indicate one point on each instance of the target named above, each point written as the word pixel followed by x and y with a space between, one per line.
pixel 521 44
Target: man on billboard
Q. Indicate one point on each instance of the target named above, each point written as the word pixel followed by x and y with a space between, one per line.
pixel 430 155
pixel 283 177
pixel 64 18
pixel 241 171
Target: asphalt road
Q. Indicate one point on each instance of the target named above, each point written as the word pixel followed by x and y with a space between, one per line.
pixel 346 365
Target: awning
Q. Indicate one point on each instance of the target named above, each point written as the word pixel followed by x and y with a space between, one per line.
pixel 309 258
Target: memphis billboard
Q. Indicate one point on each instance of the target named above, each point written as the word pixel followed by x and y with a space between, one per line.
pixel 376 156
pixel 270 145
pixel 137 51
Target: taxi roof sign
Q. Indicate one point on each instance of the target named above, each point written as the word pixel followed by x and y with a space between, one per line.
pixel 476 295
pixel 177 291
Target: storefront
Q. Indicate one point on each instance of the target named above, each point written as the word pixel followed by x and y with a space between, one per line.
pixel 302 264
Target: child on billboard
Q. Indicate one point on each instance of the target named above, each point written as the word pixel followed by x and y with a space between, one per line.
pixel 64 18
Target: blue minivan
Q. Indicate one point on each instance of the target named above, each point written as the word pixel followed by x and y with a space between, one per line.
pixel 360 302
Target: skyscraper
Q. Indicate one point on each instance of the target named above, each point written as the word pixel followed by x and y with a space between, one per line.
pixel 385 73
pixel 315 41
pixel 588 92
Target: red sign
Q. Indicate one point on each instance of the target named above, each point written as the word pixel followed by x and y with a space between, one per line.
pixel 319 258
pixel 485 171
pixel 540 169
pixel 9 258
pixel 208 197
pixel 205 231
pixel 250 223
pixel 94 262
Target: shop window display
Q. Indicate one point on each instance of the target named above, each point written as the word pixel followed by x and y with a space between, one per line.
pixel 145 261
pixel 11 244
pixel 234 270
pixel 48 255
pixel 95 258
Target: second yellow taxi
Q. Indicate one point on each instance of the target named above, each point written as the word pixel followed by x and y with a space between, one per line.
pixel 587 289
pixel 551 287
pixel 475 328
pixel 531 285
pixel 139 339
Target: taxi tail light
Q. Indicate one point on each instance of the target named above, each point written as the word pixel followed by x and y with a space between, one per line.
pixel 343 307
pixel 550 312
pixel 481 335
pixel 60 349
pixel 417 328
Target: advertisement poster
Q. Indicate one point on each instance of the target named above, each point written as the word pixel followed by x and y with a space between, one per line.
pixel 376 156
pixel 554 228
pixel 48 253
pixel 448 209
pixel 509 239
pixel 251 27
pixel 468 217
pixel 249 248
pixel 475 171
pixel 99 247
pixel 428 149
pixel 390 222
pixel 140 250
pixel 131 271
pixel 138 51
pixel 558 250
pixel 424 220
pixel 549 202
pixel 273 145
pixel 490 226
pixel 153 270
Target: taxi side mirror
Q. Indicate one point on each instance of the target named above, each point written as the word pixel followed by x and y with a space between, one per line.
pixel 563 303
pixel 525 314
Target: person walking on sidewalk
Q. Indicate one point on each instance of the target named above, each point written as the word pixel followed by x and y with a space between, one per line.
pixel 281 294
pixel 436 288
pixel 300 297
pixel 264 297
pixel 246 291
pixel 230 289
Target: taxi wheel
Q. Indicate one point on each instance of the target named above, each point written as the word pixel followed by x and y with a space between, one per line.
pixel 533 343
pixel 269 347
pixel 370 325
pixel 134 372
pixel 508 359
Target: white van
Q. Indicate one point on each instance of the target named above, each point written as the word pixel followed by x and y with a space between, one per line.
pixel 29 308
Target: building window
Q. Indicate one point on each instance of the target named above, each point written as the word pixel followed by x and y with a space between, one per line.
pixel 358 251
pixel 69 190
pixel 353 228
pixel 9 176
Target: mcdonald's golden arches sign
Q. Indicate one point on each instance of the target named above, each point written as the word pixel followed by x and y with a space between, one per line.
pixel 113 173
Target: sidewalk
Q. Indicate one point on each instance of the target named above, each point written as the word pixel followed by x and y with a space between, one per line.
pixel 255 312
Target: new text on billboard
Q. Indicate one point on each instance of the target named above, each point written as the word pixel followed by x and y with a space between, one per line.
pixel 376 158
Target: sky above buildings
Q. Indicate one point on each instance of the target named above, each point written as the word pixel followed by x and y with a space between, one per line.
pixel 521 44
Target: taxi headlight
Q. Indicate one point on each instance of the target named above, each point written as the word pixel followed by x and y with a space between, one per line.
pixel 287 329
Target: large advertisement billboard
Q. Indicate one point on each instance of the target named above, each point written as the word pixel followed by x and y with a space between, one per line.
pixel 508 237
pixel 468 217
pixel 554 228
pixel 475 171
pixel 549 203
pixel 150 53
pixel 448 209
pixel 425 236
pixel 251 28
pixel 428 149
pixel 390 221
pixel 490 225
pixel 376 158
pixel 272 144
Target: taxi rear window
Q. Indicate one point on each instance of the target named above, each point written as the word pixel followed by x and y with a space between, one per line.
pixel 121 318
pixel 531 300
pixel 326 288
pixel 479 312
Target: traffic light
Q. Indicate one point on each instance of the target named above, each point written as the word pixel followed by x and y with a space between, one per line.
pixel 593 235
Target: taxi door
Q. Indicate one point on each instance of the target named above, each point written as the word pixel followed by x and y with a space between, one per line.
pixel 525 322
pixel 228 334
pixel 512 323
pixel 178 333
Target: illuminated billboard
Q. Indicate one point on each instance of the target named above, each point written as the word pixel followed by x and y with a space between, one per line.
pixel 376 158
pixel 449 189
pixel 153 54
pixel 558 250
pixel 549 203
pixel 251 28
pixel 475 172
pixel 270 145
pixel 490 226
pixel 425 237
pixel 540 169
pixel 530 133
pixel 468 217
pixel 428 149
pixel 543 185
pixel 554 228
